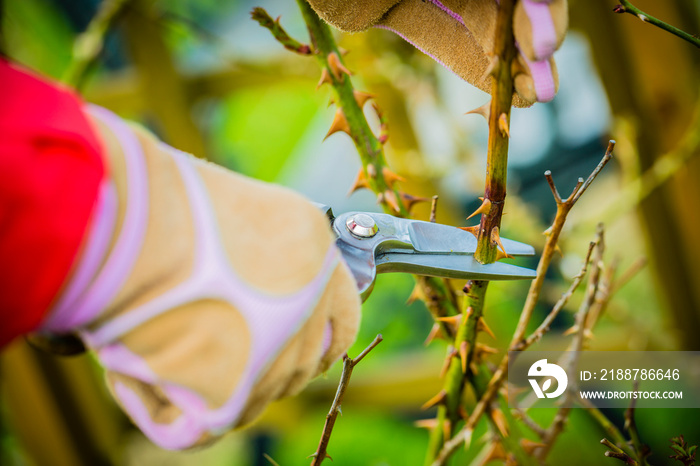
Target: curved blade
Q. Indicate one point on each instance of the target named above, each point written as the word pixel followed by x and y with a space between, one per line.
pixel 432 238
pixel 449 266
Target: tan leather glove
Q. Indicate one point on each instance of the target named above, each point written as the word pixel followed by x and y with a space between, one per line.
pixel 204 294
pixel 459 34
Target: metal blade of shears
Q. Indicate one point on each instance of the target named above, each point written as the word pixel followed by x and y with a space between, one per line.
pixel 374 243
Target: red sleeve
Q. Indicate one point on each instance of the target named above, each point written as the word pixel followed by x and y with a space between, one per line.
pixel 50 171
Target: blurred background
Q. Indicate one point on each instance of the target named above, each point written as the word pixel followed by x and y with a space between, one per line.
pixel 208 80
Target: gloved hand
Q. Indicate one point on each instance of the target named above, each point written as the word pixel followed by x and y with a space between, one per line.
pixel 459 34
pixel 204 294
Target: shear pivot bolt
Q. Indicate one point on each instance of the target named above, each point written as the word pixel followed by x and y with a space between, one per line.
pixel 362 226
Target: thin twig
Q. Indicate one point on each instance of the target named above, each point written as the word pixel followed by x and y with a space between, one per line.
pixel 557 426
pixel 88 45
pixel 528 421
pixel 627 7
pixel 641 450
pixel 265 20
pixel 563 300
pixel 628 275
pixel 269 458
pixel 617 453
pixel 348 365
pixel 608 427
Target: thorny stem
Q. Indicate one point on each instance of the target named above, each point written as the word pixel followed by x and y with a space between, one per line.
pixel 563 208
pixel 486 252
pixel 439 298
pixel 368 145
pixel 88 45
pixel 626 7
pixel 348 366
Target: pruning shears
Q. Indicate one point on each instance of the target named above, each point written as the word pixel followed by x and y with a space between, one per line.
pixel 373 243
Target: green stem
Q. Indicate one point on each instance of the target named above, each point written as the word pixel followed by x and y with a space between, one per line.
pixel 88 45
pixel 486 252
pixel 266 21
pixel 627 7
pixel 448 413
pixel 368 145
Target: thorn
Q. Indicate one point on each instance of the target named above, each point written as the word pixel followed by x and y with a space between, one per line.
pixel 496 238
pixel 473 230
pixel 483 208
pixel 337 67
pixel 482 326
pixel 383 125
pixel 331 101
pixel 446 428
pixel 416 294
pixel 325 78
pixel 391 177
pixel 462 411
pixel 391 201
pixel 468 438
pixel 343 51
pixel 463 355
pixel 502 255
pixel 492 68
pixel 571 330
pixel 426 423
pixel 360 182
pixel 496 453
pixel 340 123
pixel 529 446
pixel 435 332
pixel 474 368
pixel 409 201
pixel 485 349
pixel 433 209
pixel 517 68
pixel 503 125
pixel 500 420
pixel 484 111
pixel 548 231
pixel 557 248
pixel 437 399
pixel 469 310
pixel 372 171
pixel 340 410
pixel 362 97
pixel 448 360
pixel 452 321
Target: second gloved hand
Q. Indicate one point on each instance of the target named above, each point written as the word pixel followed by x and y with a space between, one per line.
pixel 204 294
